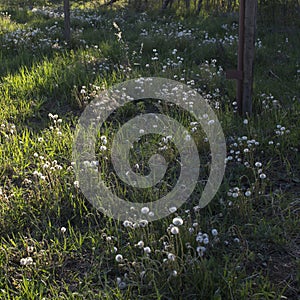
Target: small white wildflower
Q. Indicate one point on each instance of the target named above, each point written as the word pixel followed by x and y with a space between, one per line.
pixel 103 148
pixel 29 261
pixel 140 244
pixel 247 193
pixel 147 250
pixel 172 209
pixel 206 241
pixel 76 184
pixel 245 122
pixel 174 273
pixel 205 235
pixel 122 285
pixel 262 176
pixel 196 208
pixel 187 138
pixel 127 223
pixel 145 210
pixel 171 256
pixel 35 154
pixel 26 261
pixel 191 230
pixel 177 221
pixel 174 230
pixel 141 131
pixel 142 223
pixel 46 165
pixel 258 164
pixel 119 258
pixel 151 214
pixel 63 229
pixel 201 250
pixel 236 240
pixel 214 232
pixel 30 249
pixel 199 238
pixel 235 195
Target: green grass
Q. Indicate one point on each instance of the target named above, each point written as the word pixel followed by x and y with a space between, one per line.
pixel 256 252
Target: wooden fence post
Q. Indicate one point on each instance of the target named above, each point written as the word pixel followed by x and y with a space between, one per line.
pixel 249 49
pixel 67 30
pixel 246 48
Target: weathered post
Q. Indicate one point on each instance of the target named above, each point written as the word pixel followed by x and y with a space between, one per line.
pixel 67 29
pixel 244 72
pixel 249 49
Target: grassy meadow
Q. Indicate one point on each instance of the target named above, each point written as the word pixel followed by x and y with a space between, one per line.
pixel 55 245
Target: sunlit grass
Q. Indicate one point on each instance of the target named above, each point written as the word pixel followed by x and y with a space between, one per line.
pixel 54 244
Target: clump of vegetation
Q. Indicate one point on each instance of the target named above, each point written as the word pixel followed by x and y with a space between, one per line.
pixel 55 244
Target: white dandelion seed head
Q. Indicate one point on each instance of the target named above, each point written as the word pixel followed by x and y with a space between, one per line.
pixel 145 210
pixel 147 250
pixel 171 256
pixel 119 258
pixel 177 221
pixel 206 241
pixel 214 232
pixel 140 244
pixel 174 230
pixel 143 223
pixel 172 209
pixel 262 176
pixel 122 285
